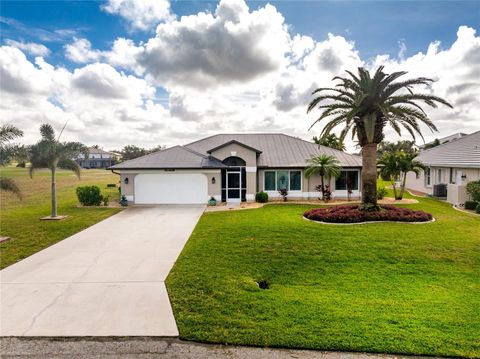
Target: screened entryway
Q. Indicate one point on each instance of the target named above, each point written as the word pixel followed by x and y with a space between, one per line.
pixel 234 180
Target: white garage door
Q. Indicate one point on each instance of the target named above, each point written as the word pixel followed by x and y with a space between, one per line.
pixel 171 188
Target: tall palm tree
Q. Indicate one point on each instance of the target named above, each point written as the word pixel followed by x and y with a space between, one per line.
pixel 51 153
pixel 394 166
pixel 331 140
pixel 324 166
pixel 364 105
pixel 7 151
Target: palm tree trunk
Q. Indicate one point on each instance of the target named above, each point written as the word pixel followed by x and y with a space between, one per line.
pixel 369 174
pixel 54 192
pixel 323 188
pixel 394 190
pixel 402 188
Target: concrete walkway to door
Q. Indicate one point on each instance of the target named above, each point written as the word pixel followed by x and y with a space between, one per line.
pixel 107 280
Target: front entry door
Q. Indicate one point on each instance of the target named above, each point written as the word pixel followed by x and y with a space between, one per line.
pixel 234 186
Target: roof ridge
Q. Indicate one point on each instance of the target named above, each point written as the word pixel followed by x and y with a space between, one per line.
pixel 449 142
pixel 148 154
pixel 319 146
pixel 193 151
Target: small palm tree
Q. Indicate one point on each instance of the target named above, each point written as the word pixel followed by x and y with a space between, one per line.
pixel 364 105
pixel 324 166
pixel 51 153
pixel 7 151
pixel 394 166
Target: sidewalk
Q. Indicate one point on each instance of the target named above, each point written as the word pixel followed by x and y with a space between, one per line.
pixel 157 348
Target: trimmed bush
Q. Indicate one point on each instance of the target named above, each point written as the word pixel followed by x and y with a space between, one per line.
pixel 381 192
pixel 89 195
pixel 352 214
pixel 261 197
pixel 473 189
pixel 477 210
pixel 471 205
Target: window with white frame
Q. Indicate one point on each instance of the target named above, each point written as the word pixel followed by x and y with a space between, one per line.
pixel 347 180
pixel 428 177
pixel 283 179
pixel 439 178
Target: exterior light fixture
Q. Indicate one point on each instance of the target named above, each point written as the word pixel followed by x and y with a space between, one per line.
pixel 464 176
pixel 213 180
pixel 125 180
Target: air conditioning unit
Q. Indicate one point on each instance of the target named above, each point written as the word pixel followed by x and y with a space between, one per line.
pixel 440 190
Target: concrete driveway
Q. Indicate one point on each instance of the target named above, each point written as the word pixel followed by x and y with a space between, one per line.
pixel 107 280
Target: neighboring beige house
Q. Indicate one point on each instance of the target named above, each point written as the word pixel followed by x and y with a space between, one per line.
pixel 450 167
pixel 98 158
pixel 232 168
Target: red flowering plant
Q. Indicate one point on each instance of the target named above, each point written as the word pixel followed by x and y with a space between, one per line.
pixel 351 214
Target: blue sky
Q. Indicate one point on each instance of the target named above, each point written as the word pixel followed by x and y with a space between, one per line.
pixel 377 27
pixel 179 85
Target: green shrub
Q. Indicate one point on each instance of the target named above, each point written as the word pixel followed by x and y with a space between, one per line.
pixel 381 192
pixel 261 197
pixel 111 185
pixel 477 210
pixel 89 195
pixel 471 205
pixel 106 200
pixel 473 189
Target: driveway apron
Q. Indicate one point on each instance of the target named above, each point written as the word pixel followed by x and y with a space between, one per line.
pixel 108 280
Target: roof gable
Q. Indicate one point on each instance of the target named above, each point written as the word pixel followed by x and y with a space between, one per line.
pixel 277 150
pixel 234 142
pixel 170 158
pixel 462 152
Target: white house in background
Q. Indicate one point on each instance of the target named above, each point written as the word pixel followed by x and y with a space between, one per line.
pixel 232 168
pixel 98 158
pixel 450 167
pixel 446 139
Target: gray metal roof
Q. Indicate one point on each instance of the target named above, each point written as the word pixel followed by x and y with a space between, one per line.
pixel 462 152
pixel 278 150
pixel 173 157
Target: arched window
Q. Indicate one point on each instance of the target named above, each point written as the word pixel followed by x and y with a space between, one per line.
pixel 234 162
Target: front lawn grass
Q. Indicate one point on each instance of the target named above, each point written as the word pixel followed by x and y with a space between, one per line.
pixel 383 287
pixel 21 219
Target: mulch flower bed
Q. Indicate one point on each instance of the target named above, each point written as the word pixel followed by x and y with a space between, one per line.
pixel 351 214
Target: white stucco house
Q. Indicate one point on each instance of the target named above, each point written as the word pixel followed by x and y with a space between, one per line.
pixel 450 167
pixel 232 168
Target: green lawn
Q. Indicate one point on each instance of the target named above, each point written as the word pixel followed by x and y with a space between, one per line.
pixel 20 219
pixel 396 288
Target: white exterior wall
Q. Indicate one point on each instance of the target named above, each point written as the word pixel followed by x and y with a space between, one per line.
pixel 456 192
pixel 214 189
pixel 307 190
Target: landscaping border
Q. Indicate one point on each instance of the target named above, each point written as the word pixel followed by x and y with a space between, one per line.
pixel 464 211
pixel 367 222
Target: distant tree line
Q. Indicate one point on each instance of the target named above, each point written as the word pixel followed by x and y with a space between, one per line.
pixel 129 152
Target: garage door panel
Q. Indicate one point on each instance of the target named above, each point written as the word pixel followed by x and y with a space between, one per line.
pixel 174 188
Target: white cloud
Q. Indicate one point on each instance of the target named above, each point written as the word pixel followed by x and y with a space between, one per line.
pixel 30 47
pixel 141 15
pixel 231 46
pixel 80 51
pixel 232 70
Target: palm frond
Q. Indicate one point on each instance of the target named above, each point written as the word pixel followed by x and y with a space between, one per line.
pixel 8 184
pixel 68 164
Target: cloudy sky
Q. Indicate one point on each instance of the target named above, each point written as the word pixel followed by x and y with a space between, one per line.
pixel 156 72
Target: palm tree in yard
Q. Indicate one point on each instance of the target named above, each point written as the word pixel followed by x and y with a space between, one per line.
pixel 50 153
pixel 365 105
pixel 324 166
pixel 394 166
pixel 7 151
